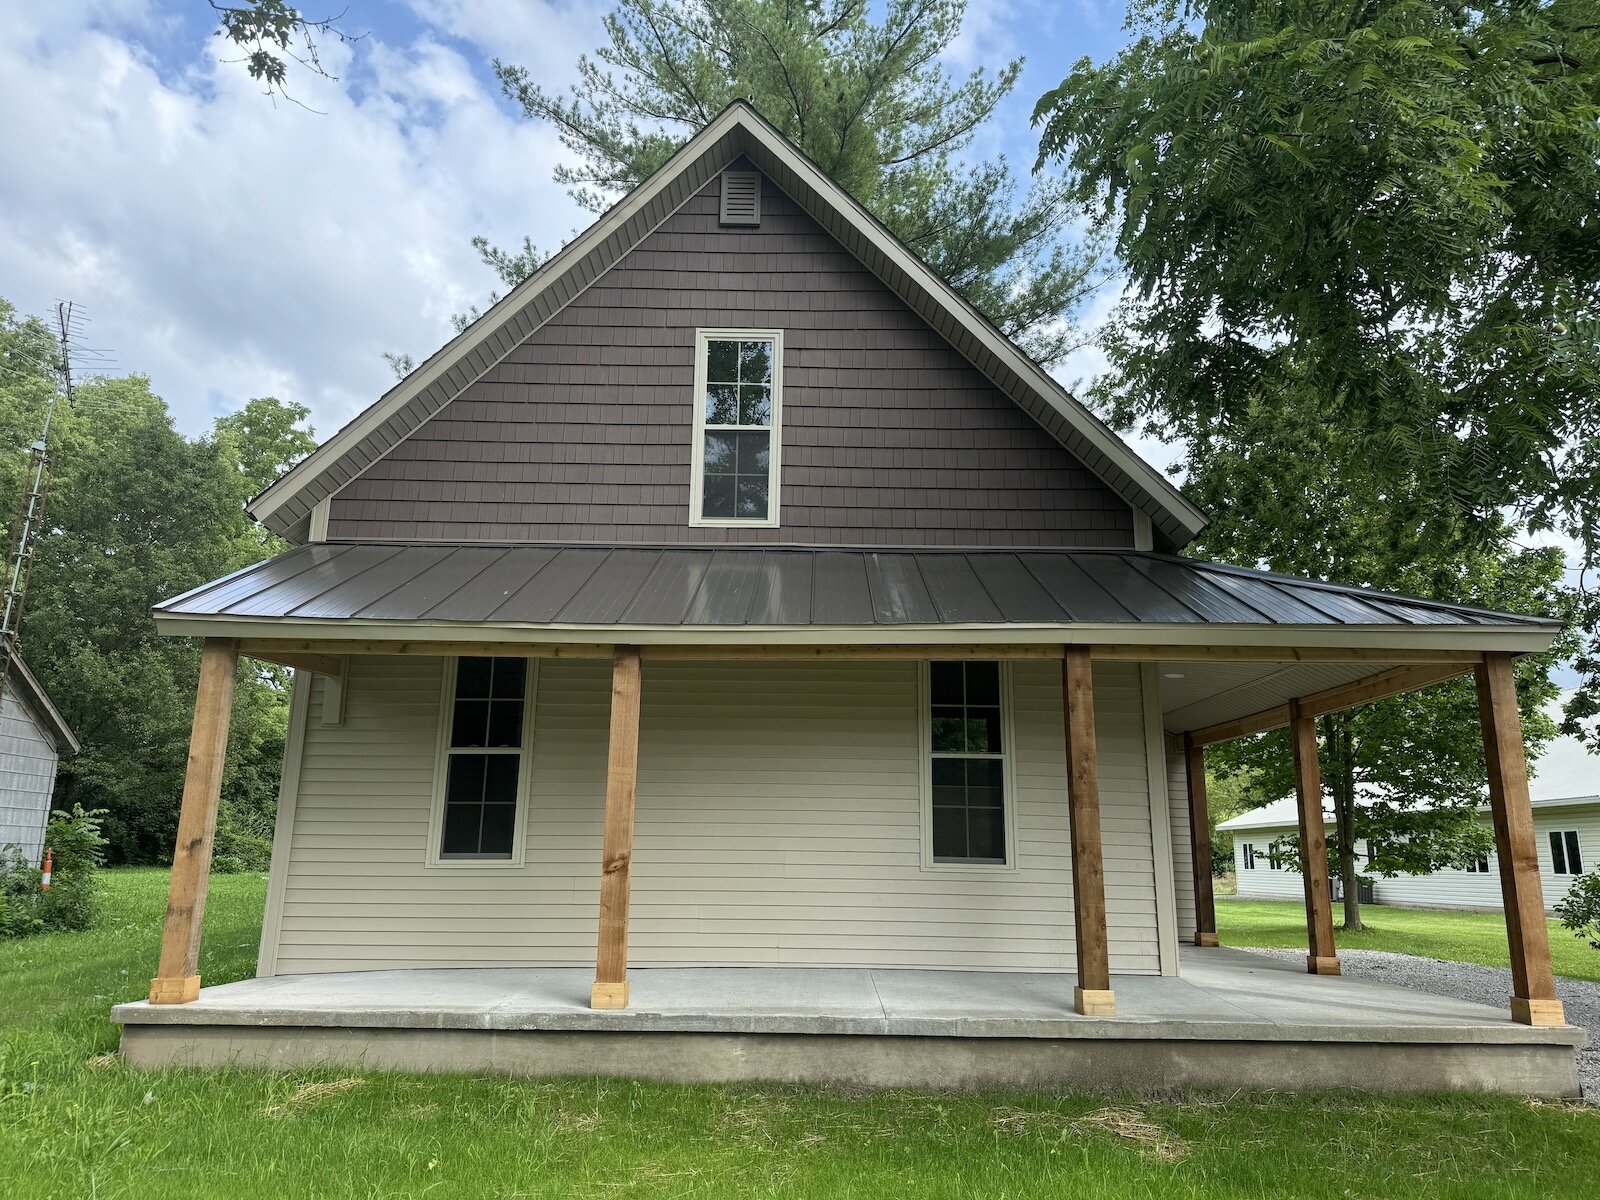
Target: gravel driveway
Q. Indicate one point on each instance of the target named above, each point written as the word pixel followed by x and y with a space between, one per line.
pixel 1486 985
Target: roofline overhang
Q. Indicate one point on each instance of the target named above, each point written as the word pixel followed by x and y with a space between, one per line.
pixel 737 130
pixel 1515 639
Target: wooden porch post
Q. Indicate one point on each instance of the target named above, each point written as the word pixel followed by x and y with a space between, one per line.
pixel 1093 995
pixel 177 978
pixel 1205 905
pixel 1323 958
pixel 622 768
pixel 1533 986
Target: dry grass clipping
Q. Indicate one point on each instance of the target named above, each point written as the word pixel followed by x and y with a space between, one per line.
pixel 310 1093
pixel 103 1062
pixel 1124 1124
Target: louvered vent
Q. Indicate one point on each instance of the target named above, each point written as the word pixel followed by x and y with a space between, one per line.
pixel 741 198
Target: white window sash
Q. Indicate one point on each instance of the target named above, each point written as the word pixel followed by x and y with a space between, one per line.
pixel 697 476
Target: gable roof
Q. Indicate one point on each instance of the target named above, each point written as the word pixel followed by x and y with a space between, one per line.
pixel 286 505
pixel 33 697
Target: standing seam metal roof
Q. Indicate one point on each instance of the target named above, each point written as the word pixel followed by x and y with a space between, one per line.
pixel 767 586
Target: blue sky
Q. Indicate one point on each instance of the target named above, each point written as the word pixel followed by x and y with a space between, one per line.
pixel 228 245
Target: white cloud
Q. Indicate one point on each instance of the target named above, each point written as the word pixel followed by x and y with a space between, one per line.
pixel 228 246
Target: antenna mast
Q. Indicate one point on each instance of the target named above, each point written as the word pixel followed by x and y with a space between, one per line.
pixel 30 512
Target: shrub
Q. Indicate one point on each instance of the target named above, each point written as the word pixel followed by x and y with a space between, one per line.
pixel 76 842
pixel 1580 911
pixel 243 842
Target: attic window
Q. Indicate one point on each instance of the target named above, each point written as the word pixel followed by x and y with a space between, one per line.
pixel 738 399
pixel 741 198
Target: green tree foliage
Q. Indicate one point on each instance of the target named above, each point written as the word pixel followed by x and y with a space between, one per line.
pixel 863 90
pixel 1579 910
pixel 138 513
pixel 272 34
pixel 1384 210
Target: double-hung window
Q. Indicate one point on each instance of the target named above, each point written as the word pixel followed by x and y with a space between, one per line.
pixel 1248 853
pixel 1566 857
pixel 479 801
pixel 738 403
pixel 968 740
pixel 1479 865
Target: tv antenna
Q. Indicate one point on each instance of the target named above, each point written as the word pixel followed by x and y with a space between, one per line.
pixel 29 519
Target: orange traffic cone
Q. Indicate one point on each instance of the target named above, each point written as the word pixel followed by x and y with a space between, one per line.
pixel 44 877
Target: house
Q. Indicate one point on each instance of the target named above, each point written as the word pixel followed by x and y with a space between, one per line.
pixel 731 658
pixel 1566 836
pixel 33 739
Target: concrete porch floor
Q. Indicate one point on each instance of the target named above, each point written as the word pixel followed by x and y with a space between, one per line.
pixel 1230 1019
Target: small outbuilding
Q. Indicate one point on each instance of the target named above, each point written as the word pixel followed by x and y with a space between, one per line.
pixel 34 737
pixel 1565 794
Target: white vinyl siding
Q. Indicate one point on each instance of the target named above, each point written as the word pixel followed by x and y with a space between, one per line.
pixel 27 778
pixel 1452 887
pixel 778 822
pixel 1261 881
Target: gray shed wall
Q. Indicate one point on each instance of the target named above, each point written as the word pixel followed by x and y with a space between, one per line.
pixel 583 433
pixel 27 778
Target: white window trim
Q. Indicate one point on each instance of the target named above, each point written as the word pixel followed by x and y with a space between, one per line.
pixel 702 337
pixel 1008 758
pixel 441 774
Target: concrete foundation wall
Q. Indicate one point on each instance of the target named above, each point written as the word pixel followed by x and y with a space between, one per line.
pixel 942 1063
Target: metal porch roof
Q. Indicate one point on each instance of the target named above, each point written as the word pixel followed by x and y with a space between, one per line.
pixel 732 587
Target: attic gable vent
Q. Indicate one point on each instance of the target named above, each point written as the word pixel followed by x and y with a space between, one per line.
pixel 741 198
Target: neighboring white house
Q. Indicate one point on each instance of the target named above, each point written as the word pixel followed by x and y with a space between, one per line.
pixel 33 737
pixel 1565 788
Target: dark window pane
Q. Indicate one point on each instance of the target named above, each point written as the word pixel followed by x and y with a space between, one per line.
pixel 986 833
pixel 753 455
pixel 505 723
pixel 465 782
pixel 983 730
pixel 944 682
pixel 755 404
pixel 949 833
pixel 755 362
pixel 985 786
pixel 472 677
pixel 719 496
pixel 949 772
pixel 722 404
pixel 722 361
pixel 983 683
pixel 500 778
pixel 510 678
pixel 1558 854
pixel 751 496
pixel 948 732
pixel 721 453
pixel 471 723
pixel 1574 859
pixel 499 827
pixel 462 823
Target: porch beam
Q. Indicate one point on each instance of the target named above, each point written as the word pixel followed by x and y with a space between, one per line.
pixel 1283 654
pixel 268 648
pixel 328 665
pixel 1205 905
pixel 1323 955
pixel 622 771
pixel 1093 995
pixel 1533 992
pixel 177 978
pixel 1394 682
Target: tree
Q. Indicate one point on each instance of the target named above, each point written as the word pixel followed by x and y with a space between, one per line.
pixel 1389 205
pixel 863 91
pixel 270 31
pixel 139 513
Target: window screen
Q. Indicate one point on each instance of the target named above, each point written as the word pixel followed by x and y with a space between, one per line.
pixel 483 760
pixel 969 813
pixel 1565 854
pixel 736 412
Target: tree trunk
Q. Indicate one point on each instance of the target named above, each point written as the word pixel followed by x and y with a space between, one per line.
pixel 1341 782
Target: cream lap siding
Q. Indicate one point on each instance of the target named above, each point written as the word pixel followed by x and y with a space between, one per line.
pixel 27 778
pixel 1182 853
pixel 778 822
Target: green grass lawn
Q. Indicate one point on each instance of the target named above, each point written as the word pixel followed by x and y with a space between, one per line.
pixel 1469 937
pixel 75 1123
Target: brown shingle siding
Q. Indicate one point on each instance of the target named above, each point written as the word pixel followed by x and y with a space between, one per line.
pixel 583 432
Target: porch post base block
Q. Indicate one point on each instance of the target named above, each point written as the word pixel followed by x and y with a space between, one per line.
pixel 608 995
pixel 1317 964
pixel 1206 939
pixel 1094 1002
pixel 181 990
pixel 1537 1012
